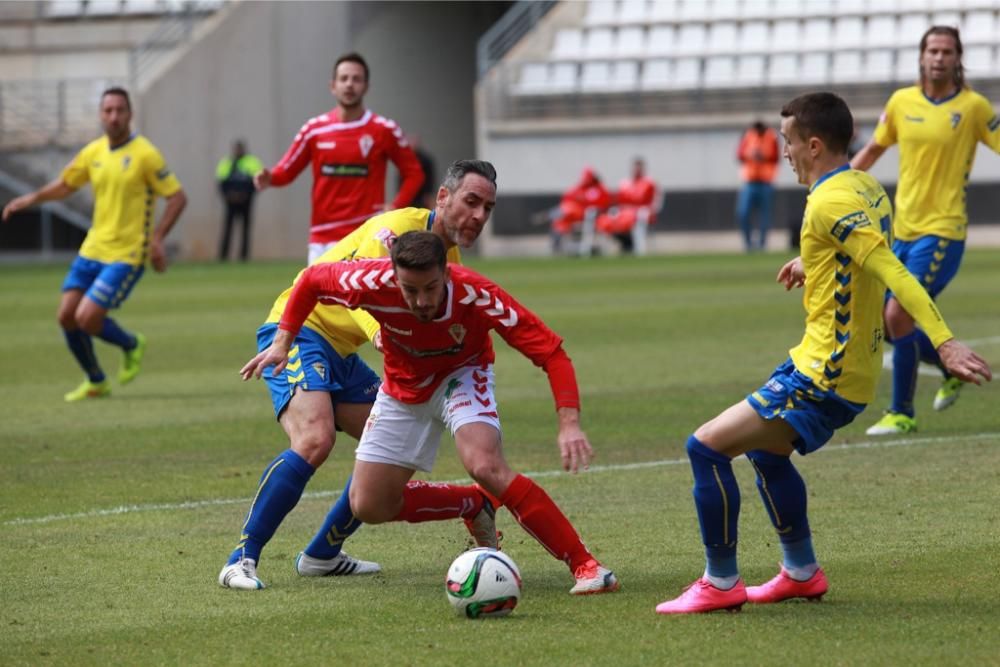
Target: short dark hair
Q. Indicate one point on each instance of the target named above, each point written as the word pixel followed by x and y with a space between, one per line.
pixel 952 32
pixel 419 251
pixel 822 115
pixel 352 57
pixel 459 168
pixel 118 90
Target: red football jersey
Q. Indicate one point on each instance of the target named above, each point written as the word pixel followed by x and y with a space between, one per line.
pixel 348 164
pixel 419 355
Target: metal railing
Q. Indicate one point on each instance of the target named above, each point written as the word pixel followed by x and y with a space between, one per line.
pixel 505 33
pixel 42 113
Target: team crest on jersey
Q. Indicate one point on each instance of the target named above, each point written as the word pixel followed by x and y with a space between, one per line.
pixel 457 332
pixel 365 143
pixel 320 370
pixel 956 118
pixel 126 161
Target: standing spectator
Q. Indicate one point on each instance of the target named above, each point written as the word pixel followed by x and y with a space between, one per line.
pixel 634 209
pixel 126 172
pixel 348 148
pixel 938 125
pixel 758 153
pixel 235 176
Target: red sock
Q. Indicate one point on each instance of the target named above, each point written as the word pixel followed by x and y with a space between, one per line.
pixel 428 501
pixel 544 521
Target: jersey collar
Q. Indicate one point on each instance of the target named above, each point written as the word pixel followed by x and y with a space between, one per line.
pixel 940 100
pixel 832 172
pixel 430 220
pixel 122 144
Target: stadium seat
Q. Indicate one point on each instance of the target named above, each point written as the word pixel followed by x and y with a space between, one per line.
pixel 562 77
pixel 786 8
pixel 625 74
pixel 595 76
pixel 691 38
pixel 848 31
pixel 104 7
pixel 694 10
pixel 598 43
pixel 903 6
pixel 978 61
pixel 568 44
pixel 979 28
pixel 783 69
pixel 722 37
pixel 656 74
pixel 878 65
pixel 881 31
pixel 633 11
pixel 953 19
pixel 751 70
pixel 600 12
pixel 851 7
pixel 814 68
pixel 846 67
pixel 907 68
pixel 663 10
pixel 785 36
pixel 753 37
pixel 756 9
pixel 143 7
pixel 63 8
pixel 687 73
pixel 720 72
pixel 534 79
pixel 816 33
pixel 630 41
pixel 911 27
pixel 726 10
pixel 881 6
pixel 948 4
pixel 661 40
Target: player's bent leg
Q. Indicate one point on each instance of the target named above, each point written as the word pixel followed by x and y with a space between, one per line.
pixel 81 347
pixel 377 490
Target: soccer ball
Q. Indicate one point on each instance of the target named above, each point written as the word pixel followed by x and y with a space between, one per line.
pixel 483 583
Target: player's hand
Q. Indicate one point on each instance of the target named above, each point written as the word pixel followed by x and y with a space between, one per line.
pixel 377 341
pixel 157 256
pixel 574 448
pixel 276 355
pixel 792 274
pixel 963 363
pixel 17 204
pixel 262 179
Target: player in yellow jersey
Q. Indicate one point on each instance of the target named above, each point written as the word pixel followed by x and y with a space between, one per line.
pixel 845 266
pixel 127 173
pixel 327 387
pixel 937 125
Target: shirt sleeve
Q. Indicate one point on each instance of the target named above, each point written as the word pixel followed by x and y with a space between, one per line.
pixel 852 229
pixel 158 175
pixel 319 281
pixel 905 288
pixel 989 125
pixel 410 171
pixel 885 131
pixel 294 160
pixel 76 174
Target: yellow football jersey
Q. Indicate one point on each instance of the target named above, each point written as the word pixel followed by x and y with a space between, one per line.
pixel 937 146
pixel 126 180
pixel 847 215
pixel 344 329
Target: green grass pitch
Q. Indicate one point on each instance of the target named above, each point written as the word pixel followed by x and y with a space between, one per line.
pixel 117 514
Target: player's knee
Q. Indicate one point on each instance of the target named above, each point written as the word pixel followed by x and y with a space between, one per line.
pixel 315 446
pixel 373 509
pixel 492 473
pixel 67 319
pixel 89 320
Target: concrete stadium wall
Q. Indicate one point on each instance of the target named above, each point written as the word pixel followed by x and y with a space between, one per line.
pixel 265 69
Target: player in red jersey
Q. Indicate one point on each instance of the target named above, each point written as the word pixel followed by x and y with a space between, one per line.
pixel 348 148
pixel 438 358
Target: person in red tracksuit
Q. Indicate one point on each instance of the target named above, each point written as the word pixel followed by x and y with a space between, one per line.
pixel 348 148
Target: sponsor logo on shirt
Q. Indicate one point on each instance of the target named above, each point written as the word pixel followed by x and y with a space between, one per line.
pixel 914 119
pixel 326 144
pixel 346 170
pixel 401 332
pixel 414 352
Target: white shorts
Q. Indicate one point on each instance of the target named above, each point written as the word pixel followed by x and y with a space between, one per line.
pixel 317 249
pixel 408 435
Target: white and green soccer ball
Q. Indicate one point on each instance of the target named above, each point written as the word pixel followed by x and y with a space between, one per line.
pixel 483 583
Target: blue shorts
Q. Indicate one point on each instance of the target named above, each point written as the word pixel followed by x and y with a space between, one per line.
pixel 313 365
pixel 932 260
pixel 813 412
pixel 107 285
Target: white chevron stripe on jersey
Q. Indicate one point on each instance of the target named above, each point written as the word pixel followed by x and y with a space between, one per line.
pixel 471 296
pixel 497 308
pixel 511 320
pixel 371 279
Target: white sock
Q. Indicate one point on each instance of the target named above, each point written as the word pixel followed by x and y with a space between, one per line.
pixel 722 583
pixel 802 573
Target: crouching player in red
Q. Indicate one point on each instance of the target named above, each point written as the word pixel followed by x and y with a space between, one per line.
pixel 438 358
pixel 845 267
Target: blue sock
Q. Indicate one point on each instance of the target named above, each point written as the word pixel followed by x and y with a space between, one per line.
pixel 339 524
pixel 717 499
pixel 928 354
pixel 114 334
pixel 82 347
pixel 279 490
pixel 784 495
pixel 905 355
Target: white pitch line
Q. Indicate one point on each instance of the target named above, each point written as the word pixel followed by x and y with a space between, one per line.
pixel 618 467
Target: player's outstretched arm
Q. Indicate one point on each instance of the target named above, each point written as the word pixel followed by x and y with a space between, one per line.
pixel 574 447
pixel 57 189
pixel 262 179
pixel 963 363
pixel 792 274
pixel 276 355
